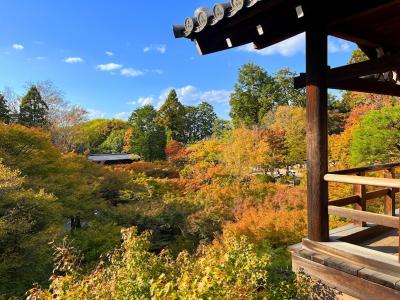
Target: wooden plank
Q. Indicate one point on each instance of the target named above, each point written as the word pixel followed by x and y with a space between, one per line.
pixel 345 201
pixel 361 205
pixel 348 284
pixel 361 234
pixel 384 220
pixel 366 169
pixel 390 197
pixel 317 132
pixel 370 67
pixel 372 181
pixel 356 70
pixel 367 86
pixel 377 194
pixel 372 259
pixel 372 86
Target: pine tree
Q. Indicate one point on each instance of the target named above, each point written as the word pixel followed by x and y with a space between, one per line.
pixel 33 110
pixel 172 117
pixel 4 110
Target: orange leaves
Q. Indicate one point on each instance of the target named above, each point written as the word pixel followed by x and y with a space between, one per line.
pixel 279 220
pixel 173 150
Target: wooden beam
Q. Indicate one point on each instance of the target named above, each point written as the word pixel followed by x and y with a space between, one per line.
pixel 364 216
pixel 354 84
pixel 390 197
pixel 370 67
pixel 317 133
pixel 372 181
pixel 367 86
pixel 344 201
pixel 361 205
pixel 377 194
pixel 366 169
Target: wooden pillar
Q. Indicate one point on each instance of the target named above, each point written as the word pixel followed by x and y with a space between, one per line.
pixel 317 132
pixel 390 199
pixel 360 190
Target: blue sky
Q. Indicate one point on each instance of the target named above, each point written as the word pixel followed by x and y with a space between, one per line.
pixel 114 56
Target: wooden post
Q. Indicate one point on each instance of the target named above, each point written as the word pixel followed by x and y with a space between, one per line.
pixel 317 132
pixel 360 190
pixel 390 199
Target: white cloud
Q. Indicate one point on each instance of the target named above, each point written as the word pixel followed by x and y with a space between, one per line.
pixel 142 101
pixel 191 95
pixel 73 60
pixel 288 47
pixel 109 53
pixel 96 114
pixel 296 45
pixel 18 47
pixel 338 46
pixel 130 72
pixel 109 67
pixel 188 95
pixel 159 48
pixel 124 115
pixel 156 71
pixel 40 57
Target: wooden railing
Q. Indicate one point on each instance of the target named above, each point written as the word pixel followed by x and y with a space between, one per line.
pixel 361 195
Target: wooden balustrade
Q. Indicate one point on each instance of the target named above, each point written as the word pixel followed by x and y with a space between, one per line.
pixel 361 195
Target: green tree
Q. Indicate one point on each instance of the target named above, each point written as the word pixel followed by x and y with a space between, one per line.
pixel 171 116
pixel 220 127
pixel 33 111
pixel 378 137
pixel 114 142
pixel 148 137
pixel 89 136
pixel 199 122
pixel 284 92
pixel 251 97
pixel 4 110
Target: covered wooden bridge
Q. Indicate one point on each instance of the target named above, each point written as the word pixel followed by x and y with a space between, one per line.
pixel 361 259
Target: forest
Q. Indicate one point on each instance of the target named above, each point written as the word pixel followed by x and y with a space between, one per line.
pixel 206 213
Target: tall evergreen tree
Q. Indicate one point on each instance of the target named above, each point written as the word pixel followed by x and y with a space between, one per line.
pixel 4 110
pixel 148 137
pixel 172 117
pixel 33 111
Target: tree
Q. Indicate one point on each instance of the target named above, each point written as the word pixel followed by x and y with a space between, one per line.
pixel 114 142
pixel 220 127
pixel 89 136
pixel 378 137
pixel 4 110
pixel 284 92
pixel 199 122
pixel 148 137
pixel 251 97
pixel 33 111
pixel 64 126
pixel 293 121
pixel 171 116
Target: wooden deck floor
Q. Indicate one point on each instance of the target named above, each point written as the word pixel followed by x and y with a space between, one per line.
pixel 386 243
pixel 359 261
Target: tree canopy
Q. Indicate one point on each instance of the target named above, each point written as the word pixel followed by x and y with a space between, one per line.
pixel 4 110
pixel 148 137
pixel 33 111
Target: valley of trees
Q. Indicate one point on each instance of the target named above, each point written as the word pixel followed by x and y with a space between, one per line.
pixel 208 211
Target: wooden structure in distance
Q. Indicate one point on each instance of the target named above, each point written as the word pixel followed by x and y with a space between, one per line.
pixel 374 25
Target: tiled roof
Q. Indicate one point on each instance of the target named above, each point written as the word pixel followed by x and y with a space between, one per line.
pixel 205 17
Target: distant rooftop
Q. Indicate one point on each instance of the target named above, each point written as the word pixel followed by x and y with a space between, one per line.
pixel 111 158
